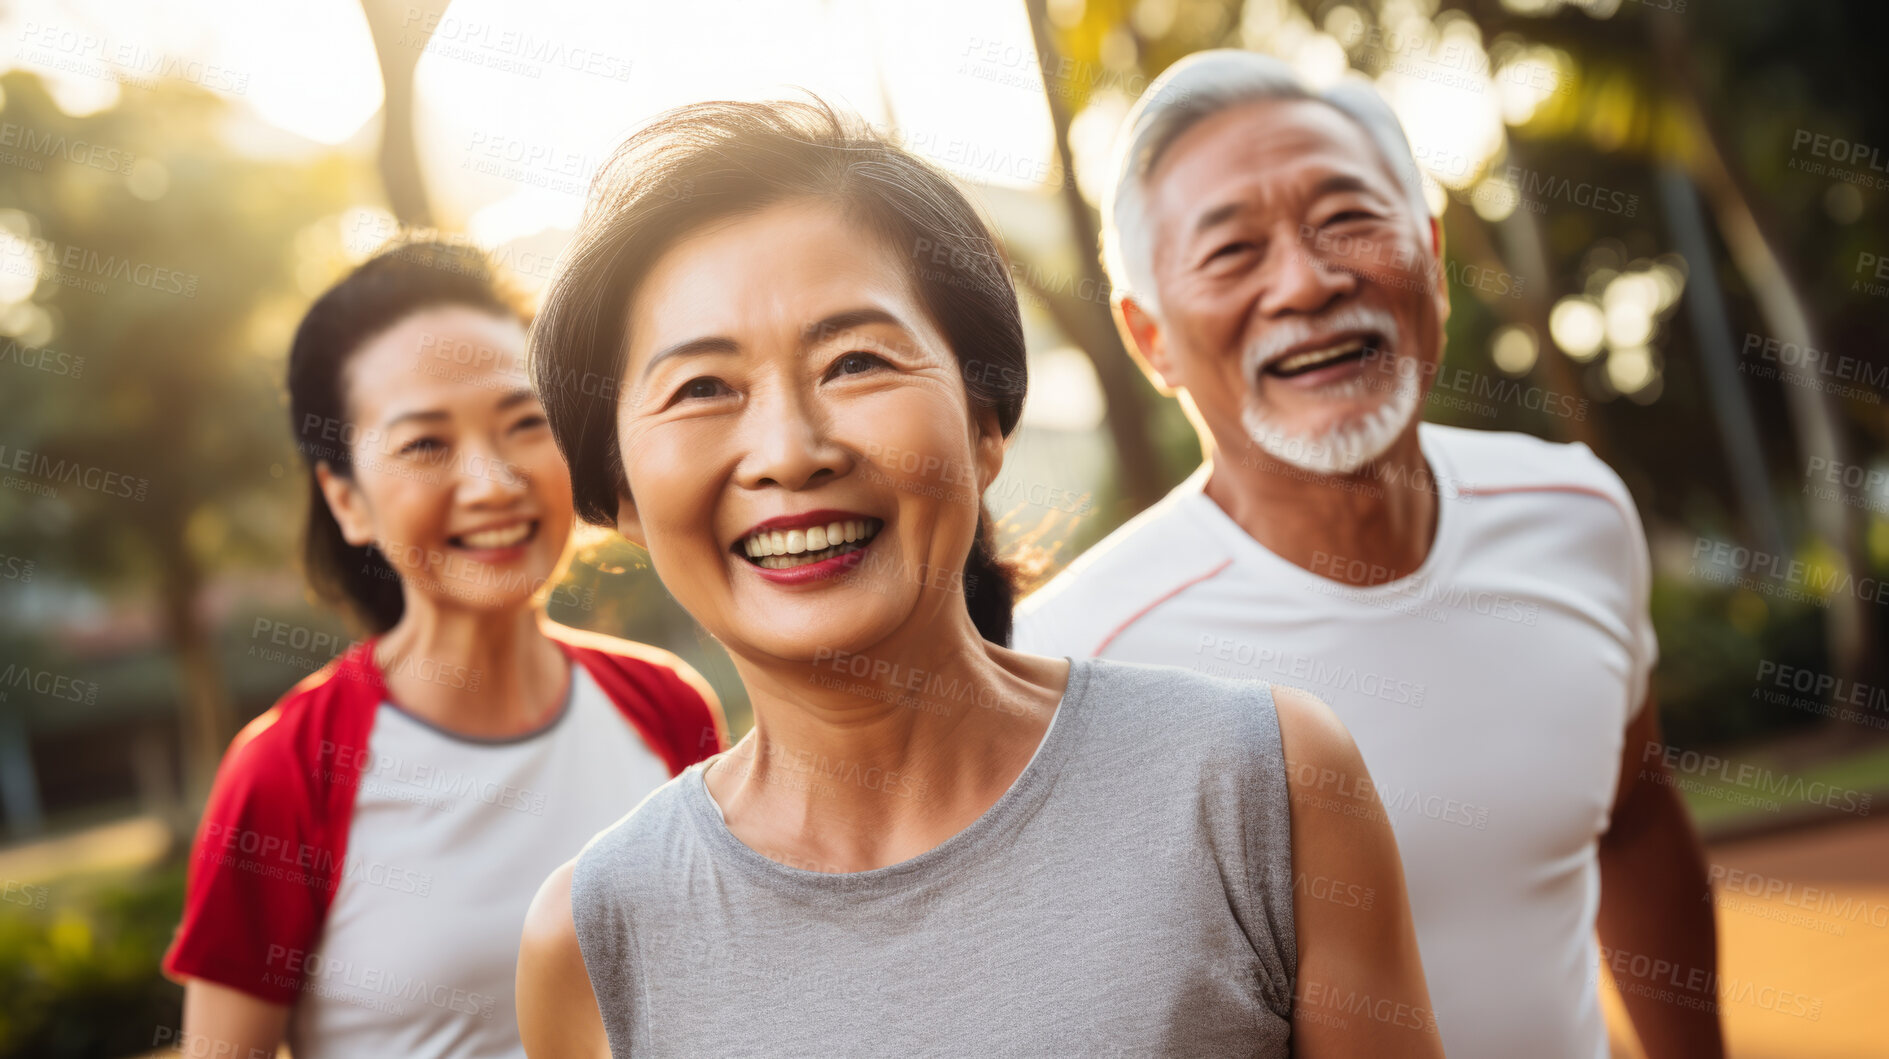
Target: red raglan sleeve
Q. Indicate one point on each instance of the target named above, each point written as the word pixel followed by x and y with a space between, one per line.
pixel 692 714
pixel 260 872
pixel 666 700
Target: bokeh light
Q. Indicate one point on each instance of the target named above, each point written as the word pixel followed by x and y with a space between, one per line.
pixel 1578 327
pixel 1514 349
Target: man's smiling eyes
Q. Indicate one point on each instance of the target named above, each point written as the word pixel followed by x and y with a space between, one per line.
pixel 1245 246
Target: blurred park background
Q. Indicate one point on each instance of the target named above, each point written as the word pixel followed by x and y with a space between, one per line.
pixel 1667 225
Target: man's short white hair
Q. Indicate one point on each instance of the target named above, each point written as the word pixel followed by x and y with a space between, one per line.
pixel 1194 89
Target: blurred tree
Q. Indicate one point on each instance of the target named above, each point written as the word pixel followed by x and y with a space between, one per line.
pixel 400 29
pixel 1751 238
pixel 163 262
pixel 1090 322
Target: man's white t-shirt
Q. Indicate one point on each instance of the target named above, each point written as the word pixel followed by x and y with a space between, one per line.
pixel 1488 692
pixel 451 837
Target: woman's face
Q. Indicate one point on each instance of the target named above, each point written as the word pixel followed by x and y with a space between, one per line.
pixel 456 478
pixel 804 461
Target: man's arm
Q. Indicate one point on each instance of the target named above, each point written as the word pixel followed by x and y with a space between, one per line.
pixel 1656 903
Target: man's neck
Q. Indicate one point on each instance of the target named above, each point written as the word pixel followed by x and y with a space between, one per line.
pixel 1366 528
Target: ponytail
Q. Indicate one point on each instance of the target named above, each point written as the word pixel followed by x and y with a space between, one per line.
pixel 359 581
pixel 990 589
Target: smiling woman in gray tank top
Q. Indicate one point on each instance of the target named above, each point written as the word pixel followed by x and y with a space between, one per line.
pixel 784 356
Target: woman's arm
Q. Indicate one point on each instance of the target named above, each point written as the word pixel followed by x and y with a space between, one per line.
pixel 219 1020
pixel 557 1009
pixel 1359 987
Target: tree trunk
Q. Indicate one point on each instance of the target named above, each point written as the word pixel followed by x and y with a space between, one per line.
pixel 1091 324
pixel 400 29
pixel 206 715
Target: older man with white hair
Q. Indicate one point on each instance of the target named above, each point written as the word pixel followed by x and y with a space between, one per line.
pixel 1472 604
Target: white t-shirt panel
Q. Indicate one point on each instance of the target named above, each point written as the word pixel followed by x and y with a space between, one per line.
pixel 1488 693
pixel 450 839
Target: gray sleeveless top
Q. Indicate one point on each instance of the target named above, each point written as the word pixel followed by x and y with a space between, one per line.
pixel 1129 895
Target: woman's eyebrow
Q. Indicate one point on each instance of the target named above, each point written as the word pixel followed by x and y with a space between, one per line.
pixel 848 320
pixel 692 347
pixel 517 397
pixel 818 331
pixel 433 415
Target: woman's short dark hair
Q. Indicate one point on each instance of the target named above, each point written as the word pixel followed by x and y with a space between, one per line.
pixel 381 292
pixel 710 161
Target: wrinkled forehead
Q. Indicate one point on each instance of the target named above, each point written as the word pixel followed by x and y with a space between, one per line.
pixel 1267 153
pixel 766 281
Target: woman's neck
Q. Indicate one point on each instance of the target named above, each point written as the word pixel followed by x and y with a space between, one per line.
pixel 862 759
pixel 489 674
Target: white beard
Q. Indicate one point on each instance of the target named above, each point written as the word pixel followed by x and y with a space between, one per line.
pixel 1347 447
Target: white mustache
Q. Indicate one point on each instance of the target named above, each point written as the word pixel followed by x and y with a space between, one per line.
pixel 1279 339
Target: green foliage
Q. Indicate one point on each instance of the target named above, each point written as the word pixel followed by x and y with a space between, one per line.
pixel 1712 642
pixel 158 259
pixel 78 967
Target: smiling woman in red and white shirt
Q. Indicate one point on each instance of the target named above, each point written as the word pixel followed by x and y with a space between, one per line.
pixel 372 842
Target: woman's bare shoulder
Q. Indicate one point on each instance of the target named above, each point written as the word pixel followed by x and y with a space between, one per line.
pixel 557 1008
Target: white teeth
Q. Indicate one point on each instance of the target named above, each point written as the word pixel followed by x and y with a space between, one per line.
pixel 497 538
pixel 772 548
pixel 1310 357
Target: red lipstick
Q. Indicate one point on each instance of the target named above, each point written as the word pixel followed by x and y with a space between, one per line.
pixel 803 573
pixel 784 523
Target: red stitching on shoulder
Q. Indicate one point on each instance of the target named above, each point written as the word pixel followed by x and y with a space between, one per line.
pixel 1163 598
pixel 1499 490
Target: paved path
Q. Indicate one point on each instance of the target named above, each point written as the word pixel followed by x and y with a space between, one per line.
pixel 1803 921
